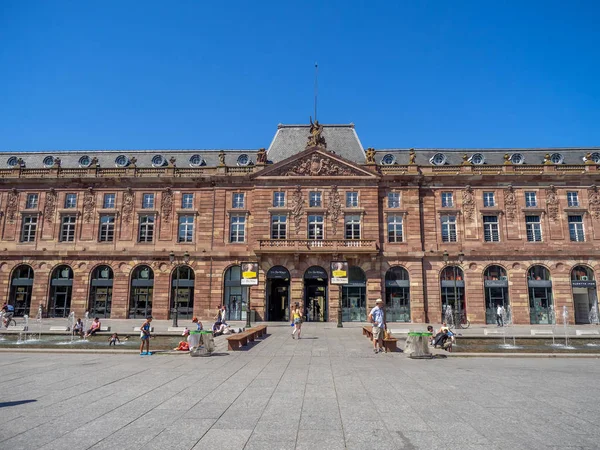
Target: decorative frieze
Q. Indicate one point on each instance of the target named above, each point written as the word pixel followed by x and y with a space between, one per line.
pixel 552 204
pixel 594 200
pixel 297 204
pixel 317 164
pixel 468 203
pixel 12 205
pixel 89 204
pixel 166 205
pixel 510 203
pixel 50 205
pixel 334 207
pixel 128 203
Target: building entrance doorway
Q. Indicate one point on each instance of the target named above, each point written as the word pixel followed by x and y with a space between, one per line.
pixel 61 288
pixel 20 289
pixel 278 294
pixel 315 294
pixel 495 283
pixel 585 300
pixel 541 306
pixel 354 304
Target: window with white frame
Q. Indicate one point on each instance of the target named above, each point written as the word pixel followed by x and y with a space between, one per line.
pixel 32 201
pixel 573 199
pixel 491 231
pixel 278 226
pixel 186 228
pixel 533 226
pixel 393 200
pixel 187 201
pixel 489 199
pixel 148 201
pixel 447 200
pixel 29 228
pixel 394 225
pixel 352 199
pixel 109 201
pixel 67 228
pixel 352 225
pixel 146 228
pixel 237 229
pixel 576 228
pixel 448 228
pixel 70 201
pixel 238 200
pixel 314 199
pixel 315 227
pixel 106 233
pixel 530 199
pixel 278 199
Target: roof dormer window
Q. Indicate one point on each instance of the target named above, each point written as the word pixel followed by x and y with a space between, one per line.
pixel 48 161
pixel 158 161
pixel 12 162
pixel 85 161
pixel 388 160
pixel 477 159
pixel 439 159
pixel 196 161
pixel 243 160
pixel 122 161
pixel 517 158
pixel 557 158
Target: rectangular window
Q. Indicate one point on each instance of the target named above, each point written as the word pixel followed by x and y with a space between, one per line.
pixel 186 229
pixel 448 228
pixel 278 226
pixel 530 199
pixel 533 226
pixel 32 201
pixel 29 228
pixel 315 227
pixel 67 228
pixel 573 199
pixel 278 199
pixel 187 201
pixel 107 229
pixel 146 229
pixel 352 224
pixel 393 200
pixel 488 199
pixel 394 223
pixel 237 229
pixel 576 228
pixel 447 200
pixel 109 201
pixel 490 229
pixel 238 200
pixel 314 199
pixel 351 199
pixel 70 201
pixel 148 201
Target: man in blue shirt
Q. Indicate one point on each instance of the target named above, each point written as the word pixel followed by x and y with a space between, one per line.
pixel 9 312
pixel 377 318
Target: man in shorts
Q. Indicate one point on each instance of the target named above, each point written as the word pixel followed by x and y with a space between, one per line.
pixel 9 312
pixel 376 317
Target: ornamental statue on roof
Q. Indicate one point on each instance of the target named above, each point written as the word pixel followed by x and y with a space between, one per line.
pixel 316 138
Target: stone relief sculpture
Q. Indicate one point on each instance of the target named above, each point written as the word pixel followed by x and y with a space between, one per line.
pixel 128 202
pixel 50 205
pixel 316 138
pixel 412 157
pixel 297 205
pixel 510 203
pixel 468 203
pixel 261 156
pixel 594 200
pixel 317 165
pixel 221 158
pixel 166 205
pixel 370 155
pixel 89 204
pixel 12 204
pixel 552 203
pixel 334 208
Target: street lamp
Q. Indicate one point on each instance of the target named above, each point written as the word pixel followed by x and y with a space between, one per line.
pixel 175 310
pixel 460 259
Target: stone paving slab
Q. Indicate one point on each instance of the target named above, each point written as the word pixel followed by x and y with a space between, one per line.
pixel 327 392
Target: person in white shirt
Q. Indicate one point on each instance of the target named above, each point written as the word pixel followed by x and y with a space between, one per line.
pixel 376 317
pixel 499 314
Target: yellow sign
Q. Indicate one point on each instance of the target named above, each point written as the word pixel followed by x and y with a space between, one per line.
pixel 249 275
pixel 339 273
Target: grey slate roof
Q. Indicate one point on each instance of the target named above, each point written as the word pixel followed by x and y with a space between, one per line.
pixel 291 140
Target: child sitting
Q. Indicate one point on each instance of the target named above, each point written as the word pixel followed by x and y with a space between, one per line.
pixel 114 339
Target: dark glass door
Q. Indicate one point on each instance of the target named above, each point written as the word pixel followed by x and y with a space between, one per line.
pixel 100 301
pixel 540 306
pixel 141 302
pixel 495 296
pixel 315 300
pixel 60 302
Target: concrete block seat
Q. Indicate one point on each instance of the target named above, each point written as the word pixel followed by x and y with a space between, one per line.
pixel 586 332
pixel 487 332
pixel 541 332
pixel 59 328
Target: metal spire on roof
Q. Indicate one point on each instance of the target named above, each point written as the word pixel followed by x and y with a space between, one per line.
pixel 316 87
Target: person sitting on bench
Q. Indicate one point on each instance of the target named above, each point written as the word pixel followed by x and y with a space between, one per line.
pixel 96 325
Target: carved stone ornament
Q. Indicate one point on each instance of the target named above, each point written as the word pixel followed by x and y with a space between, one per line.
pixel 468 203
pixel 221 158
pixel 317 165
pixel 261 156
pixel 510 203
pixel 297 205
pixel 334 208
pixel 50 205
pixel 166 205
pixel 552 203
pixel 172 162
pixel 370 155
pixel 89 204
pixel 316 138
pixel 128 202
pixel 412 156
pixel 12 205
pixel 594 197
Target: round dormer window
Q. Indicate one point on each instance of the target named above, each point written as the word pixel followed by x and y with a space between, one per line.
pixel 517 158
pixel 48 161
pixel 243 160
pixel 85 161
pixel 596 157
pixel 439 159
pixel 477 159
pixel 122 161
pixel 557 158
pixel 12 162
pixel 158 161
pixel 196 161
pixel 388 160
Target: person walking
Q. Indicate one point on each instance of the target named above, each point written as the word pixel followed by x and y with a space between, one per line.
pixel 145 336
pixel 499 315
pixel 296 320
pixel 377 318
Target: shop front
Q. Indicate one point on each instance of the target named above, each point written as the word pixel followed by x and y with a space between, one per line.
pixel 541 304
pixel 495 283
pixel 315 294
pixel 585 300
pixel 278 294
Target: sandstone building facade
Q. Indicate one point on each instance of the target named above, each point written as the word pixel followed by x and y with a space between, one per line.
pixel 124 234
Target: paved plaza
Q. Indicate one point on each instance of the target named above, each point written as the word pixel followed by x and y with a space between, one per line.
pixel 325 391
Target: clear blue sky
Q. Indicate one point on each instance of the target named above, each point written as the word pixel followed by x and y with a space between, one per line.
pixel 198 74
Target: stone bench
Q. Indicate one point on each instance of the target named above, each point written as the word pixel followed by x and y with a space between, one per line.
pixel 586 332
pixel 389 344
pixel 368 331
pixel 239 340
pixel 487 332
pixel 542 332
pixel 59 328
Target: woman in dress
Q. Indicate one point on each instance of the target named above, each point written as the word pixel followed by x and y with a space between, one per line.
pixel 297 321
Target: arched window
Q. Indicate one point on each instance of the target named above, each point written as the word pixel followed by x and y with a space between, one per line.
pixel 495 282
pixel 541 305
pixel 452 292
pixel 101 288
pixel 61 289
pixel 141 292
pixel 397 294
pixel 582 273
pixel 21 285
pixel 538 273
pixel 495 273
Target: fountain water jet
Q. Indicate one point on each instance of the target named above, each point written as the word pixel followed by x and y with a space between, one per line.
pixel 593 315
pixel 71 325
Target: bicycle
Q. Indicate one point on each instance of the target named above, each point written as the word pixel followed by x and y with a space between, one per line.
pixel 461 321
pixel 9 322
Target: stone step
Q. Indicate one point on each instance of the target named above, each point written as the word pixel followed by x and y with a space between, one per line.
pixel 586 332
pixel 487 332
pixel 541 332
